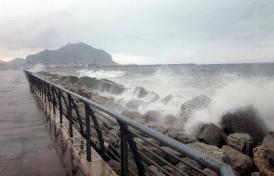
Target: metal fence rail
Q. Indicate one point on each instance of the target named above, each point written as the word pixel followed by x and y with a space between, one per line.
pixel 129 147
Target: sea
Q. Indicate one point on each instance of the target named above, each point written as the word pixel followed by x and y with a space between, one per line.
pixel 229 87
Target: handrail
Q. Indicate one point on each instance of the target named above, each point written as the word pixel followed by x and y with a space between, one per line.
pixel 222 168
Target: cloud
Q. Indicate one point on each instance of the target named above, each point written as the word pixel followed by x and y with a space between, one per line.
pixel 161 31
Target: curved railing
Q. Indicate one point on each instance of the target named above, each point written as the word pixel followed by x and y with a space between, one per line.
pixel 128 146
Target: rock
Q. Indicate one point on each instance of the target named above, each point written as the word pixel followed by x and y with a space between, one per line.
pixel 245 120
pixel 261 155
pixel 210 134
pixel 209 150
pixel 132 114
pixel 209 172
pixel 147 142
pixel 153 170
pixel 180 136
pixel 239 162
pixel 140 92
pixel 255 174
pixel 269 140
pixel 241 142
pixel 166 99
pixel 170 119
pixel 152 116
pixel 188 170
pixel 110 87
pixel 168 154
pixel 152 97
pixel 150 154
pixel 72 79
pixel 134 104
pixel 88 82
pixel 193 104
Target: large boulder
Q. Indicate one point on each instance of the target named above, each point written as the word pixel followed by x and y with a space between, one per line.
pixel 152 116
pixel 245 120
pixel 269 140
pixel 188 170
pixel 210 134
pixel 134 104
pixel 242 142
pixel 209 150
pixel 167 99
pixel 261 156
pixel 194 104
pixel 241 163
pixel 180 136
pixel 170 119
pixel 140 92
pixel 132 114
pixel 88 82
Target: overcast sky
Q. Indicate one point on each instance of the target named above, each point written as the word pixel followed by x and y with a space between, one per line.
pixel 143 31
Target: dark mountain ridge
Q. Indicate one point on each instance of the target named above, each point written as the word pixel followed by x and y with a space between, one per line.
pixel 72 54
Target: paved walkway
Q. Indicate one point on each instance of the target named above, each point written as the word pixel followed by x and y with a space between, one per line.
pixel 25 146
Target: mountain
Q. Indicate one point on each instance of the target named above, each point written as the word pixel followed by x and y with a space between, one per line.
pixel 13 64
pixel 72 54
pixel 17 62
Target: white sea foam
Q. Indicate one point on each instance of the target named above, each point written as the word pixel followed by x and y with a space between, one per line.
pixel 101 73
pixel 227 91
pixel 38 68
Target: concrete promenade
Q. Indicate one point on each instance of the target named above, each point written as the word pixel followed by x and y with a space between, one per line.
pixel 25 146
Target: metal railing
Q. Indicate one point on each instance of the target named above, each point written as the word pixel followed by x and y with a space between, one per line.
pixel 129 147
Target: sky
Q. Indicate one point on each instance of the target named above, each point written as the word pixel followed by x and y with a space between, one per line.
pixel 143 31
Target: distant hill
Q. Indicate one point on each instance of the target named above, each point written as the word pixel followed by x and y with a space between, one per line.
pixel 18 62
pixel 72 54
pixel 13 64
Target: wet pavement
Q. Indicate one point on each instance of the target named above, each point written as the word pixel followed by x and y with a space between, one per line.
pixel 25 145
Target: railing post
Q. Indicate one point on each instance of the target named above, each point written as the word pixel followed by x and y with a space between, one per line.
pixel 60 106
pixel 88 142
pixel 124 149
pixel 70 115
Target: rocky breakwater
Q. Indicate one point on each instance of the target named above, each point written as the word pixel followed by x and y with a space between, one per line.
pixel 241 139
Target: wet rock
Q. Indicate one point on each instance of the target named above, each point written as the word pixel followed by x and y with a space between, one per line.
pixel 255 174
pixel 155 125
pixel 152 97
pixel 210 150
pixel 167 99
pixel 210 134
pixel 261 155
pixel 168 154
pixel 111 87
pixel 241 142
pixel 70 79
pixel 132 114
pixel 170 119
pixel 241 163
pixel 193 104
pixel 88 82
pixel 209 172
pixel 180 136
pixel 147 142
pixel 245 120
pixel 152 116
pixel 269 140
pixel 105 101
pixel 140 92
pixel 188 170
pixel 134 104
pixel 153 170
pixel 150 154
